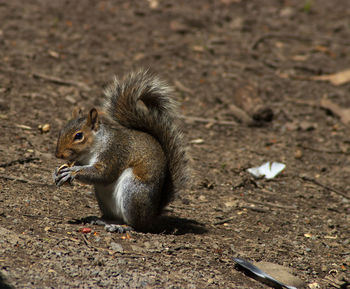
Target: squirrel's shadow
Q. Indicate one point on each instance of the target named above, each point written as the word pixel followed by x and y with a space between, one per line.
pixel 169 225
pixel 172 225
pixel 3 283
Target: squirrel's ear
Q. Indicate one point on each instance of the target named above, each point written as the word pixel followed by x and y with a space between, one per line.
pixel 77 112
pixel 92 120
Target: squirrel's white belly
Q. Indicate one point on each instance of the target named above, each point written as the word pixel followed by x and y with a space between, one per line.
pixel 111 198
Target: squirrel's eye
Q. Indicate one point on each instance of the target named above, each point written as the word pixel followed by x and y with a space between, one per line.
pixel 78 136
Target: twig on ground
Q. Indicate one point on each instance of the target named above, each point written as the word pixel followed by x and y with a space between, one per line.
pixel 209 120
pixel 67 239
pixel 41 216
pixel 303 102
pixel 240 114
pixel 18 161
pixel 263 37
pixel 21 180
pixel 255 209
pixel 268 204
pixel 305 178
pixel 53 79
pixel 57 80
pixel 323 151
pixel 111 252
pixel 87 243
pixel 305 38
pixel 224 221
pixel 182 88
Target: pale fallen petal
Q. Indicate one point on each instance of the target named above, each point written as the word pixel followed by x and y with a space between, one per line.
pixel 268 170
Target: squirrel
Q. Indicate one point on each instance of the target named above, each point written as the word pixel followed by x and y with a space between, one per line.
pixel 132 152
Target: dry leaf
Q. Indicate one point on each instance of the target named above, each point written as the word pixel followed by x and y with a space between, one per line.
pixel 342 113
pixel 338 78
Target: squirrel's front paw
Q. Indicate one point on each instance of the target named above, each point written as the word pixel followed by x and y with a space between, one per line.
pixel 64 174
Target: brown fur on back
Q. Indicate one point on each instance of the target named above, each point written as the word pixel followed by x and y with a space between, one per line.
pixel 158 118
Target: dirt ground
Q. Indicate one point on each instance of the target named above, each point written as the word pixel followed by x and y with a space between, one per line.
pixel 219 55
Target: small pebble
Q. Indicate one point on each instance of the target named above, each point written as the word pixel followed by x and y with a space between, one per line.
pixel 313 286
pixel 298 154
pixel 116 247
pixel 44 128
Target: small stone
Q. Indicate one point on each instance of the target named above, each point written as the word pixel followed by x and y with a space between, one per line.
pixel 44 128
pixel 153 4
pixel 231 204
pixel 298 154
pixel 147 245
pixel 313 286
pixel 265 229
pixel 287 12
pixel 116 247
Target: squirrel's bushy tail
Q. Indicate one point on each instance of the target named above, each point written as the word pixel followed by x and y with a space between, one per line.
pixel 159 119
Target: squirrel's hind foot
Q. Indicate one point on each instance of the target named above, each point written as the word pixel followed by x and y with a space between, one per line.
pixel 109 227
pixel 113 228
